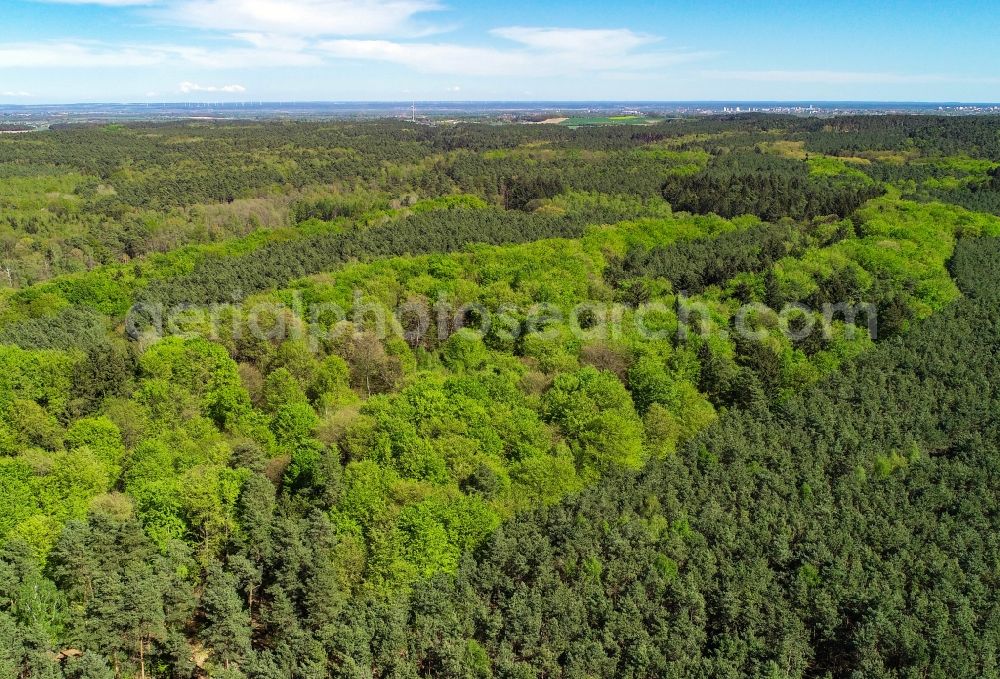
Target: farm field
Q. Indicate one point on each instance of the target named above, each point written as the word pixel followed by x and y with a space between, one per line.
pixel 583 121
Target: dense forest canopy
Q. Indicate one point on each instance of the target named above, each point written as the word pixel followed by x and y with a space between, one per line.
pixel 708 397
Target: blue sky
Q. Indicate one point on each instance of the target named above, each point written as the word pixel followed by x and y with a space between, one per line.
pixel 276 50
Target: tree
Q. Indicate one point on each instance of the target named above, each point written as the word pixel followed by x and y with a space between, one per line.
pixel 598 418
pixel 226 627
pixel 717 376
pixel 293 423
pixel 103 438
pixel 331 381
pixel 115 582
pixel 373 370
pixel 107 370
pixel 281 390
pixel 87 666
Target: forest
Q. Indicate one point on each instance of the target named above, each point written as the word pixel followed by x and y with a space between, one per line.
pixel 710 397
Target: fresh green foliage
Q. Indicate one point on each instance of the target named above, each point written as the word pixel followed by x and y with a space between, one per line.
pixel 612 454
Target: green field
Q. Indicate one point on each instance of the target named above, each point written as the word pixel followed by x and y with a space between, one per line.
pixel 585 121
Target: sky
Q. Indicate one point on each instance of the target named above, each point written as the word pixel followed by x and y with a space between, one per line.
pixel 60 51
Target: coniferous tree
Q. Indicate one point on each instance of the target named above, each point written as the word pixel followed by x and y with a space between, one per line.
pixel 226 628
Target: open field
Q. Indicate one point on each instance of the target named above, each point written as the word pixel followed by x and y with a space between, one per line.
pixel 584 121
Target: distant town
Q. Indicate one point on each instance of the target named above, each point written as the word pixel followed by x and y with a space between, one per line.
pixel 27 118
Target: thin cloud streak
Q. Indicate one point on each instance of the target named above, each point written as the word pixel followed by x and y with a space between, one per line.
pixel 304 18
pixel 537 52
pixel 104 3
pixel 69 54
pixel 618 40
pixel 602 55
pixel 189 87
pixel 843 77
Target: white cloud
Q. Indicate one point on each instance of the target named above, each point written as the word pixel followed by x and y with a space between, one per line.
pixel 75 54
pixel 69 54
pixel 259 57
pixel 539 52
pixel 273 41
pixel 302 33
pixel 106 3
pixel 301 17
pixel 286 17
pixel 612 41
pixel 189 87
pixel 17 93
pixel 428 57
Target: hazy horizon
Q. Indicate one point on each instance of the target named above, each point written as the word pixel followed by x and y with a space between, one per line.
pixel 408 102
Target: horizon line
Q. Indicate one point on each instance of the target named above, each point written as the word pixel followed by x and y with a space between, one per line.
pixel 410 102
